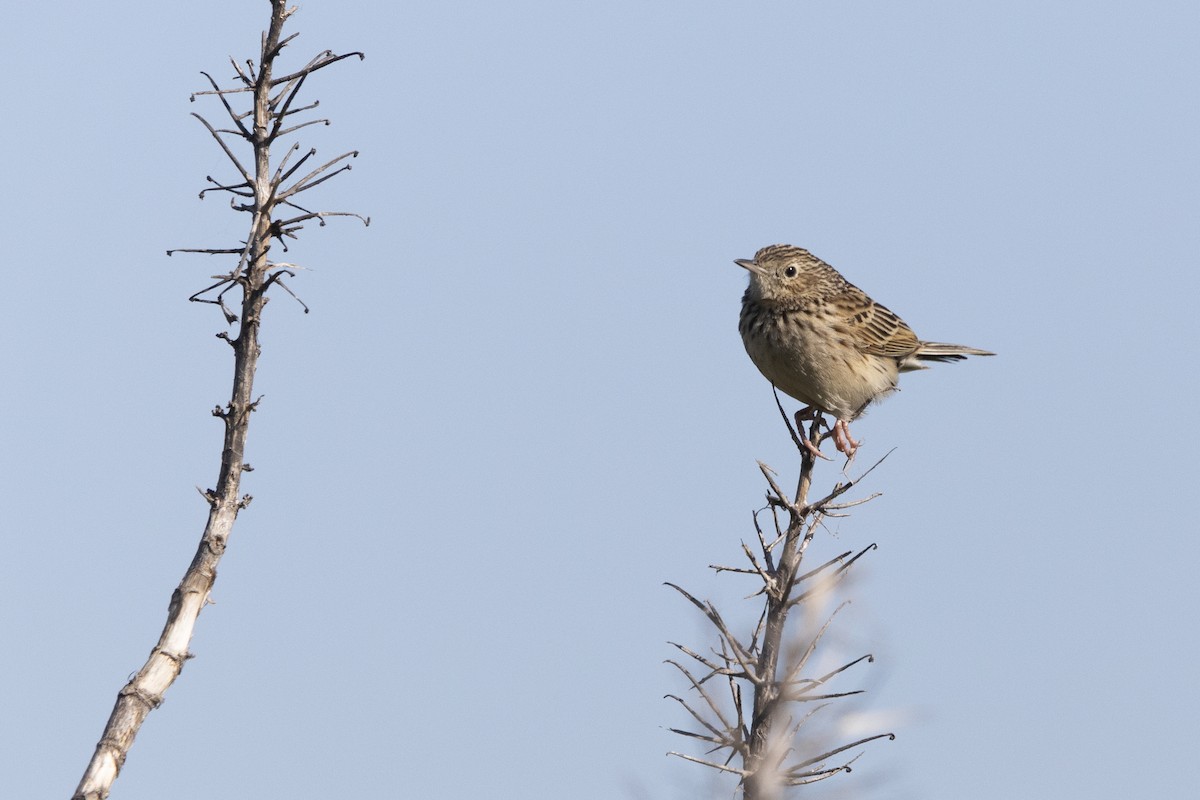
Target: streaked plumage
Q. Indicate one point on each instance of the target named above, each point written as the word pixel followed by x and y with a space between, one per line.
pixel 822 340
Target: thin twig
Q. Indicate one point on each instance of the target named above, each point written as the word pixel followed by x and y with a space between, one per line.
pixel 233 115
pixel 714 765
pixel 216 135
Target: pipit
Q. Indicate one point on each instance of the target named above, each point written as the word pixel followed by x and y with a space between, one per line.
pixel 820 339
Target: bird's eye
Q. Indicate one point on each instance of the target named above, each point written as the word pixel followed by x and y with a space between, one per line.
pixel 790 272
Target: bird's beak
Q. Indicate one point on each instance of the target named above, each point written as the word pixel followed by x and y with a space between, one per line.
pixel 746 263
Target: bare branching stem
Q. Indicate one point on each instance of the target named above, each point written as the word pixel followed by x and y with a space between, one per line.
pixel 762 742
pixel 252 276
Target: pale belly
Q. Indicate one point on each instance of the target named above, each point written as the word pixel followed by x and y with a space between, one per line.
pixel 831 377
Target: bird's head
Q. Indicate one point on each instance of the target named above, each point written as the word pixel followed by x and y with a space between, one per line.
pixel 782 272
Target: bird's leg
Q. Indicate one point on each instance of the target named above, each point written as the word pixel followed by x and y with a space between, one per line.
pixel 807 413
pixel 841 438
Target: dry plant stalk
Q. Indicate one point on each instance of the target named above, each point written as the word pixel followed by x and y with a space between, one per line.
pixel 759 740
pixel 269 195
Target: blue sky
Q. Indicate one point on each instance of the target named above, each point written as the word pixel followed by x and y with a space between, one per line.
pixel 520 403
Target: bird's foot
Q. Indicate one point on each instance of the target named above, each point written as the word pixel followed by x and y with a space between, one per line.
pixel 841 438
pixel 802 416
pixel 812 448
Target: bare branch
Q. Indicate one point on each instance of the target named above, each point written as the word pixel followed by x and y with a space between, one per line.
pixel 206 250
pixel 842 488
pixel 714 765
pixel 249 280
pixel 283 43
pixel 803 686
pixel 280 176
pixel 842 749
pixel 822 568
pixel 743 657
pixel 282 113
pixel 763 738
pixel 216 135
pixel 310 180
pixel 714 669
pixel 322 215
pixel 276 279
pixel 247 80
pixel 828 507
pixel 300 110
pixel 240 189
pixel 718 744
pixel 313 66
pixel 295 128
pixel 801 662
pixel 712 704
pixel 778 498
pixel 233 115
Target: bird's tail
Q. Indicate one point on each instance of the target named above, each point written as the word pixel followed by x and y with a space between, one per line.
pixel 942 351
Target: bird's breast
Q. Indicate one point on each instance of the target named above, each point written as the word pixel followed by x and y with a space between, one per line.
pixel 804 356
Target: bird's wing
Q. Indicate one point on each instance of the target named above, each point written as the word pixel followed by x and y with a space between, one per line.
pixel 876 330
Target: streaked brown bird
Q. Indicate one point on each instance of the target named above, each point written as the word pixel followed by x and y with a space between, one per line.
pixel 820 339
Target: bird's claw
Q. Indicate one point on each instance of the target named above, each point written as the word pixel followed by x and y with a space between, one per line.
pixel 841 438
pixel 812 448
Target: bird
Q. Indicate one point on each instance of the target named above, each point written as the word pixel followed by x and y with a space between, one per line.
pixel 821 340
